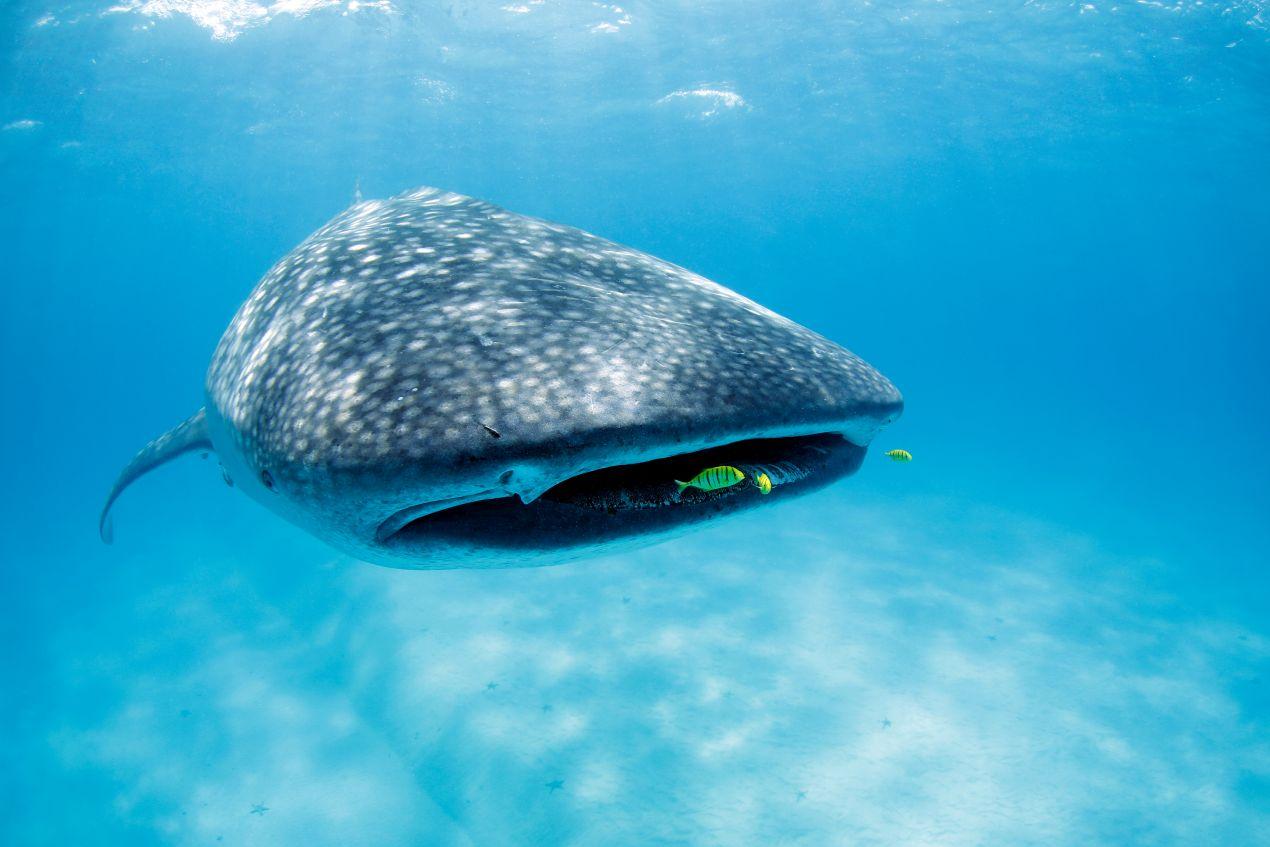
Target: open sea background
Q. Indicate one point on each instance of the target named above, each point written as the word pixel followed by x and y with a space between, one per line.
pixel 1047 222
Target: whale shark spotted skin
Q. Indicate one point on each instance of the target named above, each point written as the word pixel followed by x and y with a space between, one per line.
pixel 431 381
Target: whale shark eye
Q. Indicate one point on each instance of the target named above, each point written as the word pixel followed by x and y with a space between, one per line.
pixel 267 479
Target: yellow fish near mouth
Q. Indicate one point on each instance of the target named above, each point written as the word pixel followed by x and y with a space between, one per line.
pixel 764 482
pixel 713 479
pixel 899 455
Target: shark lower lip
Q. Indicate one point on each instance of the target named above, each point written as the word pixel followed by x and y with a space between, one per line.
pixel 630 502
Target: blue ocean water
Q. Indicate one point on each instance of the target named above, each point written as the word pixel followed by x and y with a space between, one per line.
pixel 1045 222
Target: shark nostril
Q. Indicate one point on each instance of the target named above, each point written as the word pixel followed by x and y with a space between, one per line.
pixel 266 479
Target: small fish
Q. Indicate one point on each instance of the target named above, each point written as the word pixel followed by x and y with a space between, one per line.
pixel 712 479
pixel 764 482
pixel 899 455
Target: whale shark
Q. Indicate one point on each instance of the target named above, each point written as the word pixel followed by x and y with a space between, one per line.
pixel 431 381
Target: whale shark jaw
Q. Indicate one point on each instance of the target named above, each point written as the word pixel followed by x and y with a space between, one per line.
pixel 594 494
pixel 608 490
pixel 614 508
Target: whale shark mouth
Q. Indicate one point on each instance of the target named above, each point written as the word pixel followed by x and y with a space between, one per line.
pixel 603 506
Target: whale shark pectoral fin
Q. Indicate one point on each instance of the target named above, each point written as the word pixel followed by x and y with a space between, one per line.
pixel 187 436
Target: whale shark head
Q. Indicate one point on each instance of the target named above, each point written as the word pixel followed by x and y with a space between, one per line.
pixel 431 381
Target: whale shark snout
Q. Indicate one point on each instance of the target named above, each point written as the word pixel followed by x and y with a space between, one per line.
pixel 431 381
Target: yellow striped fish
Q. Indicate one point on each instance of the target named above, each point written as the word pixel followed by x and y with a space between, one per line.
pixel 899 455
pixel 764 482
pixel 712 479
